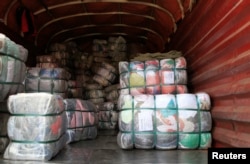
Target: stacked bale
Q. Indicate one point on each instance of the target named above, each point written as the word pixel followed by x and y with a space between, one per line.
pixel 82 119
pixel 50 80
pixel 46 61
pixel 94 93
pixel 165 121
pixel 155 109
pixel 112 93
pixel 153 76
pixel 4 117
pixel 117 47
pixel 37 126
pixel 108 115
pixel 100 51
pixel 12 67
pixel 62 56
pixel 74 90
pixel 105 74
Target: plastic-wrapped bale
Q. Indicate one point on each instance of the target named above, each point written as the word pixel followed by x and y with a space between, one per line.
pixel 80 61
pixel 94 93
pixel 82 79
pixel 112 92
pixel 12 67
pixel 166 76
pixel 37 126
pixel 49 80
pixel 73 90
pixel 82 119
pixel 100 45
pixel 108 115
pixel 117 50
pixel 116 44
pixel 46 61
pixel 63 59
pixel 4 117
pixel 105 74
pixel 164 121
pixel 99 53
pixel 57 47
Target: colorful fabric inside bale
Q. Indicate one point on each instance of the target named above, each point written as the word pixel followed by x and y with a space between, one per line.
pixel 49 80
pixel 166 76
pixel 82 119
pixel 164 121
pixel 36 127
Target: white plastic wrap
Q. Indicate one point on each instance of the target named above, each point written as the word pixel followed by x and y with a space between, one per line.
pixel 50 80
pixel 36 127
pixel 12 67
pixel 165 121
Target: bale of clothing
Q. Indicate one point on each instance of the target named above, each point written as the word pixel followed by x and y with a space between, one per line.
pixel 49 80
pixel 82 119
pixel 153 76
pixel 165 121
pixel 12 67
pixel 36 127
pixel 107 115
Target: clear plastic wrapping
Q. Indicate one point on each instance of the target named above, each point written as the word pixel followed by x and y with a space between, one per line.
pixel 108 115
pixel 12 67
pixel 50 80
pixel 153 76
pixel 164 121
pixel 37 126
pixel 82 119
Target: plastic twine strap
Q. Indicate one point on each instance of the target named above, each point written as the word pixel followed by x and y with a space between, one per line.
pixel 133 124
pixel 52 82
pixel 199 119
pixel 37 115
pixel 12 56
pixel 38 142
pixel 154 123
pixel 178 124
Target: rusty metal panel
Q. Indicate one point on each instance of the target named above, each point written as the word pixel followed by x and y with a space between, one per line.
pixel 215 39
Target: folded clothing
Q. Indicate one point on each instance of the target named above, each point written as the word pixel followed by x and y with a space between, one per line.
pixel 43 131
pixel 50 80
pixel 164 121
pixel 165 76
pixel 82 119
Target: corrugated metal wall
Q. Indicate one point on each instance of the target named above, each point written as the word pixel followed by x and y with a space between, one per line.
pixel 215 39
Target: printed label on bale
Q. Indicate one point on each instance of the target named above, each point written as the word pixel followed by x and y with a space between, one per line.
pixel 145 121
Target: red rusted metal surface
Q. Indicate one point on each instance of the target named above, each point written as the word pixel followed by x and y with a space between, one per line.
pixel 215 40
